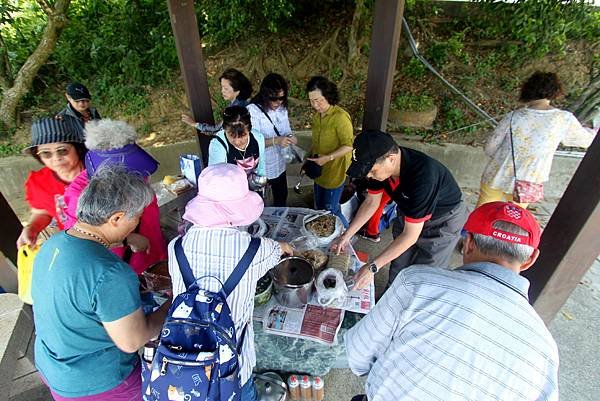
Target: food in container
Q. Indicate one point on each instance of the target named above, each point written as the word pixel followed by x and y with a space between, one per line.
pixel 264 289
pixel 315 256
pixel 292 281
pixel 341 262
pixel 322 226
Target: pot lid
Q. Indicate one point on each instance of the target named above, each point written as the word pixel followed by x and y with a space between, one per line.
pixel 293 272
pixel 270 387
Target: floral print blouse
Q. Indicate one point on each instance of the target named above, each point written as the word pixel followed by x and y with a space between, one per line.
pixel 536 135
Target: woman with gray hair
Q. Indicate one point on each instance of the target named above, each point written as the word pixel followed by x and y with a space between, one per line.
pixel 88 315
pixel 111 142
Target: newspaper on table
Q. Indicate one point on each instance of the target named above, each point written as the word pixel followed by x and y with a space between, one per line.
pixel 312 322
pixel 284 224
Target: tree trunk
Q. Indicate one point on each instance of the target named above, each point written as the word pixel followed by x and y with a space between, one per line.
pixel 57 19
pixel 584 107
pixel 353 50
pixel 5 72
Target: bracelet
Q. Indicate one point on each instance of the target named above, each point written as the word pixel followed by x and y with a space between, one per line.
pixel 273 141
pixel 331 157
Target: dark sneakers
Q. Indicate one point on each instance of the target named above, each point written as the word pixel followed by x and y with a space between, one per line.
pixel 373 238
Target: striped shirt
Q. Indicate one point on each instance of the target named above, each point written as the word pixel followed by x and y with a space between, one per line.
pixel 275 164
pixel 216 252
pixel 467 334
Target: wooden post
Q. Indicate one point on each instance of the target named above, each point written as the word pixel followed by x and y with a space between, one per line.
pixel 387 25
pixel 11 231
pixel 571 241
pixel 191 63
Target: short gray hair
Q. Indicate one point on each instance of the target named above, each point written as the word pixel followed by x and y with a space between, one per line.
pixel 506 250
pixel 392 151
pixel 106 134
pixel 113 189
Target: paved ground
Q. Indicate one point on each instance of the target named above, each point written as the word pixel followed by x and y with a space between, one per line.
pixel 576 328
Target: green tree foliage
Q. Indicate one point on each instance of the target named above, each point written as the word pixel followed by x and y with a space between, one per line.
pixel 223 21
pixel 120 48
pixel 542 26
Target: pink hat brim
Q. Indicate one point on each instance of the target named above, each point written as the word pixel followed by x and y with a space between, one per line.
pixel 205 212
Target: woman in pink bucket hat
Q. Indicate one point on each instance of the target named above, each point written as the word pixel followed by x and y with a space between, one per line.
pixel 213 246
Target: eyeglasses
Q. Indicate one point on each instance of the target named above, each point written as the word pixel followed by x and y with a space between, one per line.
pixel 47 154
pixel 276 98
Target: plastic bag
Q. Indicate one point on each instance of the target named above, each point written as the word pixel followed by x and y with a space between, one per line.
pixel 25 258
pixel 330 287
pixel 322 241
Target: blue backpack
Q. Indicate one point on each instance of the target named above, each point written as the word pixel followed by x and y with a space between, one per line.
pixel 197 357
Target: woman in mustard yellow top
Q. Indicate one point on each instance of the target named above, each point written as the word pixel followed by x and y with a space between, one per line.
pixel 332 137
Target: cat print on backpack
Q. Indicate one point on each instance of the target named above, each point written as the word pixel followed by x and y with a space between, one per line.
pixel 197 356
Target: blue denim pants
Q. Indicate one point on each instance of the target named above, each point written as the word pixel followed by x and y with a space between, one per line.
pixel 249 391
pixel 329 199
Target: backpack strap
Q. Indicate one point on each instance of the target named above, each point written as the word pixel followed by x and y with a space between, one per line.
pixel 184 265
pixel 242 266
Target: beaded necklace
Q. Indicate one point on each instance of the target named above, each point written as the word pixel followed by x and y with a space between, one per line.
pixel 92 235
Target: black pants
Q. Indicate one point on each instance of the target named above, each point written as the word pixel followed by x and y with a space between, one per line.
pixel 280 190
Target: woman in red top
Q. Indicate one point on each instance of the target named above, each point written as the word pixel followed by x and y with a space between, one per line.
pixel 55 144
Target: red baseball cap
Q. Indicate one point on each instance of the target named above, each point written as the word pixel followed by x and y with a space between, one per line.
pixel 481 221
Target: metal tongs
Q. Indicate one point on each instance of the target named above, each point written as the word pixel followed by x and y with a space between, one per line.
pixel 297 186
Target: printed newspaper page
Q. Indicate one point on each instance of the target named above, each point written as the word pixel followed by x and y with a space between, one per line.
pixel 312 322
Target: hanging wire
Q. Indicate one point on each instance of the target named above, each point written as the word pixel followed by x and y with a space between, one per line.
pixel 413 46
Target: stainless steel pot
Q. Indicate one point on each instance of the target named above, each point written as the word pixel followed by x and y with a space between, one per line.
pixel 292 279
pixel 270 387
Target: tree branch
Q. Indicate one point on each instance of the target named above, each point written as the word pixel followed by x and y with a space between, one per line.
pixel 47 7
pixel 57 20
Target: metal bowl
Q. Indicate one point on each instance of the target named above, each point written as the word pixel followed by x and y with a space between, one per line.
pixel 292 280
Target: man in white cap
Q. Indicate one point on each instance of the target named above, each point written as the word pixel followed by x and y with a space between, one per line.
pixel 463 334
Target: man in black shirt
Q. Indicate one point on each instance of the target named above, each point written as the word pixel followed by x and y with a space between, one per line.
pixel 78 106
pixel 431 213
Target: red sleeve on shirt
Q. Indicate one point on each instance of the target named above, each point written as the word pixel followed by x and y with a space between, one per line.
pixel 375 191
pixel 43 190
pixel 419 220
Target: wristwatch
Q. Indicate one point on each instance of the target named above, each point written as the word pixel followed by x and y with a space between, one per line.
pixel 373 267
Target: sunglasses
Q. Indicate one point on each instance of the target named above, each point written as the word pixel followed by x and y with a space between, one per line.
pixel 47 154
pixel 276 98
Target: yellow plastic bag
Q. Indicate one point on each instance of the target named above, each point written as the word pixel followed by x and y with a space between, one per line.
pixel 25 258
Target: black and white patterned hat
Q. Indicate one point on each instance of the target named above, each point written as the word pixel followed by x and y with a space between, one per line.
pixel 50 130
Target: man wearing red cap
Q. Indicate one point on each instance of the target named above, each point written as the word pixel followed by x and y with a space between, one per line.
pixel 463 334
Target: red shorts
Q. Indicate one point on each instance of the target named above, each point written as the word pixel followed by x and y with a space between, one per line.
pixel 129 390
